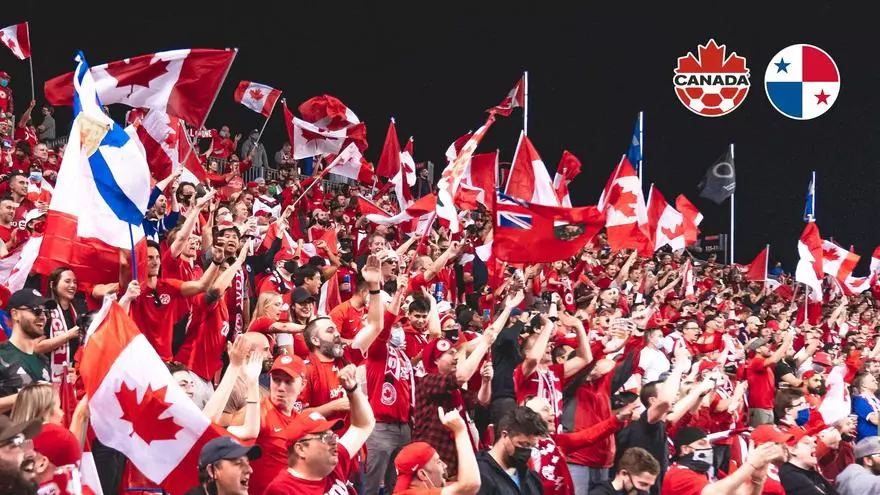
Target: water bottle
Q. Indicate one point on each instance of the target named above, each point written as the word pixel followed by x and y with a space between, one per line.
pixel 438 291
pixel 347 280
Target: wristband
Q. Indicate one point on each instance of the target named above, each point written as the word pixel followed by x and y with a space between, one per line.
pixel 351 390
pixel 374 292
pixel 253 402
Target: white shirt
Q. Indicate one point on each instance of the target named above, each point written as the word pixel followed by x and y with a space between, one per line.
pixel 654 362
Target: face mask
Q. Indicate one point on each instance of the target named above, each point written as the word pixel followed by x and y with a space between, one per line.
pixel 700 460
pixel 397 337
pixel 802 417
pixel 520 457
pixel 4 82
pixel 36 177
pixel 290 266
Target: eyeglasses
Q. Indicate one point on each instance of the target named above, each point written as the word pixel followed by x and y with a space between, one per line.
pixel 327 438
pixel 16 441
pixel 36 310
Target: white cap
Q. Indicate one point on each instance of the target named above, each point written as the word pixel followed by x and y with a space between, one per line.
pixel 33 215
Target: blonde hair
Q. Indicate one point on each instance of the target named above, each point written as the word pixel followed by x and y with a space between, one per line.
pixel 263 302
pixel 34 401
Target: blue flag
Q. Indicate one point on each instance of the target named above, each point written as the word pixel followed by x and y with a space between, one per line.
pixel 634 153
pixel 810 205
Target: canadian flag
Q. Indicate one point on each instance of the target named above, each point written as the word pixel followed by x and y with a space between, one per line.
pixel 16 266
pixel 329 112
pixel 756 271
pixel 17 39
pixel 516 98
pixel 687 281
pixel 183 83
pixel 666 224
pixel 352 164
pixel 854 286
pixel 310 140
pixel 421 207
pixel 809 268
pixel 478 183
pixel 455 148
pixel 39 190
pixel 626 221
pixel 569 167
pixel 258 97
pixel 167 146
pixel 389 160
pixel 140 410
pixel 836 403
pixel 692 219
pixel 529 179
pixel 837 261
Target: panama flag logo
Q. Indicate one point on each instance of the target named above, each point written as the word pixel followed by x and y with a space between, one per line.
pixel 802 82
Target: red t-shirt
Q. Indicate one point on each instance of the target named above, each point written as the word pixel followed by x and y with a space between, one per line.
pixel 683 481
pixel 761 384
pixel 547 384
pixel 594 406
pixel 272 439
pixel 205 337
pixel 415 341
pixel 709 343
pixel 322 384
pixel 180 268
pixel 335 483
pixel 389 378
pixel 155 313
pixel 348 319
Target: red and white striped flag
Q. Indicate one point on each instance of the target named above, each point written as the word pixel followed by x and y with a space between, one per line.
pixel 478 183
pixel 516 98
pixel 452 176
pixel 17 39
pixel 529 179
pixel 569 167
pixel 258 97
pixel 140 410
pixel 665 223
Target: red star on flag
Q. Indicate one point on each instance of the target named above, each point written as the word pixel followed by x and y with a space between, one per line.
pixel 822 97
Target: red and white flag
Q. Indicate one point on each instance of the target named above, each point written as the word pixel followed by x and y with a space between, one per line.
pixel 516 98
pixel 875 260
pixel 666 224
pixel 854 286
pixel 692 219
pixel 756 271
pixel 17 39
pixel 478 183
pixel 837 261
pixel 39 190
pixel 408 163
pixel 166 146
pixel 452 176
pixel 569 167
pixel 183 83
pixel 140 410
pixel 455 148
pixel 836 403
pixel 809 269
pixel 687 281
pixel 528 178
pixel 310 140
pixel 258 97
pixel 389 160
pixel 329 112
pixel 352 164
pixel 16 266
pixel 421 207
pixel 626 221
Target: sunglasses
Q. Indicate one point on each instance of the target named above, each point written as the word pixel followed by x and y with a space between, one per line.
pixel 36 310
pixel 327 438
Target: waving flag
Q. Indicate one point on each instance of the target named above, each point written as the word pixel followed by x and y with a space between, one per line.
pixel 626 221
pixel 352 164
pixel 452 176
pixel 692 218
pixel 17 39
pixel 516 98
pixel 140 410
pixel 528 179
pixel 183 83
pixel 258 97
pixel 810 205
pixel 329 112
pixel 634 152
pixel 837 261
pixel 569 167
pixel 100 196
pixel 720 180
pixel 478 183
pixel 756 271
pixel 665 223
pixel 809 269
pixel 166 146
pixel 389 160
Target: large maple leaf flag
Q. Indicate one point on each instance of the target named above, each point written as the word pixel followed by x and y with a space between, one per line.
pixel 140 410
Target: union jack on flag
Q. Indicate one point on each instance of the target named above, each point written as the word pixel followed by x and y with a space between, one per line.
pixel 514 220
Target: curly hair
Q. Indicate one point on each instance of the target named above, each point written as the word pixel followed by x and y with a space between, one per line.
pixel 521 421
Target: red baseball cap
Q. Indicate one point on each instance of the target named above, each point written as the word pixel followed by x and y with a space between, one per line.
pixel 58 444
pixel 313 422
pixel 292 366
pixel 771 434
pixel 808 374
pixel 432 351
pixel 252 185
pixel 822 358
pixel 707 364
pixel 410 459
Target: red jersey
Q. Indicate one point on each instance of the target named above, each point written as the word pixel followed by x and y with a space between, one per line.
pixel 322 384
pixel 348 319
pixel 272 439
pixel 415 341
pixel 205 337
pixel 684 481
pixel 593 406
pixel 761 384
pixel 547 384
pixel 341 273
pixel 155 313
pixel 709 342
pixel 335 483
pixel 180 268
pixel 390 378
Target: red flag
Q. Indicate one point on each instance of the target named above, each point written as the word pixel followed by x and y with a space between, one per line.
pixel 17 39
pixel 478 182
pixel 258 97
pixel 665 223
pixel 529 179
pixel 532 233
pixel 516 98
pixel 626 221
pixel 328 111
pixel 569 167
pixel 389 160
pixel 692 219
pixel 756 271
pixel 809 268
pixel 183 83
pixel 352 164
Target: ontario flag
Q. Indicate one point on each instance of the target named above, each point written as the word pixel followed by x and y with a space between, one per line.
pixel 837 261
pixel 352 164
pixel 516 98
pixel 167 147
pixel 569 167
pixel 666 224
pixel 183 83
pixel 626 215
pixel 532 233
pixel 17 39
pixel 258 97
pixel 140 410
pixel 100 196
pixel 692 218
pixel 528 179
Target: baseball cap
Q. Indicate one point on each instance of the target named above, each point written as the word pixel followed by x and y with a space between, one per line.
pixel 58 444
pixel 10 430
pixel 465 316
pixel 226 448
pixel 292 366
pixel 432 351
pixel 821 358
pixel 688 435
pixel 867 446
pixel 305 424
pixel 29 298
pixel 33 215
pixel 251 184
pixel 410 459
pixel 301 295
pixel 753 345
pixel 770 434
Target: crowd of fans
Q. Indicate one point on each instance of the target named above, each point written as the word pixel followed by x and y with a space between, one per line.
pixel 433 372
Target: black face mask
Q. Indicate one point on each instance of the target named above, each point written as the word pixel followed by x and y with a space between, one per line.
pixel 520 458
pixel 699 461
pixel 290 266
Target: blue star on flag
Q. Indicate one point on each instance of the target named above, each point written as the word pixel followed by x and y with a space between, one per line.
pixel 782 65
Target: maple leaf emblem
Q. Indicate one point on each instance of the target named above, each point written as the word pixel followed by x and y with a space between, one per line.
pixel 309 135
pixel 256 94
pixel 830 254
pixel 171 139
pixel 711 59
pixel 137 71
pixel 623 201
pixel 144 415
pixel 677 231
pixel 10 43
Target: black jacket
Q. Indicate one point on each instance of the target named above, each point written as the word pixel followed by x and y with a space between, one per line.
pixel 495 481
pixel 797 481
pixel 606 488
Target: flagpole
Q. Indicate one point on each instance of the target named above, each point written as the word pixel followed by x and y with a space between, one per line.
pixel 214 100
pixel 641 145
pixel 732 214
pixel 813 198
pixel 31 64
pixel 317 179
pixel 525 102
pixel 134 270
pixel 267 120
pixel 766 264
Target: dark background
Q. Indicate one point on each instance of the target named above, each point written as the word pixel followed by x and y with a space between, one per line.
pixel 435 67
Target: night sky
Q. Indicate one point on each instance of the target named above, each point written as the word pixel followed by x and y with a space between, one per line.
pixel 436 67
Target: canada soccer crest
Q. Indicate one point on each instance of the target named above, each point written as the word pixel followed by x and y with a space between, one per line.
pixel 713 83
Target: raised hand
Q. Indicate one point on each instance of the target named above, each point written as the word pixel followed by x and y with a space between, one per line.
pixel 515 299
pixel 347 376
pixel 372 270
pixel 452 420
